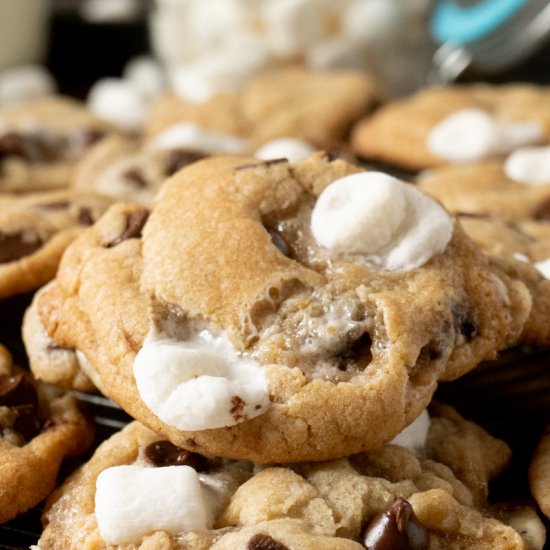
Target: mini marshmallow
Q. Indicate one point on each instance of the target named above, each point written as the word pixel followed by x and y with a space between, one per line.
pixel 293 149
pixel 414 436
pixel 544 268
pixel 390 222
pixel 372 21
pixel 199 384
pixel 529 165
pixel 25 83
pixel 109 11
pixel 473 134
pixel 146 75
pixel 189 136
pixel 119 102
pixel 291 26
pixel 133 501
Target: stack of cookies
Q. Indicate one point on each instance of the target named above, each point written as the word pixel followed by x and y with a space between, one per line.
pixel 276 323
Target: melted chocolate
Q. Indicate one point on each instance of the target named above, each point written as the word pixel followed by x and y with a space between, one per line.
pixel 179 158
pixel 165 453
pixel 265 542
pixel 134 225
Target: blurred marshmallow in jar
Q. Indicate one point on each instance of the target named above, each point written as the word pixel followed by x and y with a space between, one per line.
pixel 211 46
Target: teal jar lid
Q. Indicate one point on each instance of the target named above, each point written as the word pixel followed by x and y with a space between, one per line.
pixel 460 23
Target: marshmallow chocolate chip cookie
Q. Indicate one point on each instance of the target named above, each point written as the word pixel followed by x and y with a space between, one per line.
pixel 290 102
pixel 439 126
pixel 41 141
pixel 39 427
pixel 425 490
pixel 35 229
pixel 255 291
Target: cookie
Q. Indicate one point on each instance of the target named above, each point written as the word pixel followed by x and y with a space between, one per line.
pixel 39 428
pixel 234 261
pixel 35 229
pixel 539 474
pixel 485 188
pixel 129 171
pixel 48 361
pixel 290 102
pixel 429 491
pixel 467 123
pixel 42 140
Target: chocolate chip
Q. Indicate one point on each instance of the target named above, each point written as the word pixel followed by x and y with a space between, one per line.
pixel 279 241
pixel 395 528
pixel 134 224
pixel 85 216
pixel 542 211
pixel 165 453
pixel 135 177
pixel 178 158
pixel 36 147
pixel 463 322
pixel 331 154
pixel 53 206
pixel 14 246
pixel 11 144
pixel 265 542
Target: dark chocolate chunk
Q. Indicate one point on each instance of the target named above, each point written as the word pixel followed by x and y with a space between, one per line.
pixel 395 528
pixel 542 211
pixel 178 158
pixel 279 241
pixel 14 246
pixel 134 224
pixel 165 453
pixel 85 216
pixel 331 154
pixel 35 147
pixel 265 542
pixel 135 177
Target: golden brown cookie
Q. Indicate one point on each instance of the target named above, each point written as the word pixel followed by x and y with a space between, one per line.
pixel 39 428
pixel 539 474
pixel 398 133
pixel 290 102
pixel 35 229
pixel 41 142
pixel 438 491
pixel 227 267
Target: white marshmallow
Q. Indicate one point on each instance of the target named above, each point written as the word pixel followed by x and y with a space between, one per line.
pixel 544 268
pixel 223 70
pixel 109 11
pixel 25 83
pixel 189 136
pixel 414 436
pixel 119 102
pixel 291 26
pixel 473 134
pixel 199 384
pixel 146 75
pixel 390 222
pixel 529 165
pixel 293 149
pixel 133 501
pixel 372 21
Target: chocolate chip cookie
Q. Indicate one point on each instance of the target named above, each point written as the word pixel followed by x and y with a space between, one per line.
pixel 430 492
pixel 439 126
pixel 39 428
pixel 224 317
pixel 35 229
pixel 290 102
pixel 41 141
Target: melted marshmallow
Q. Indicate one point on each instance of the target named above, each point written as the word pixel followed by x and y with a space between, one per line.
pixel 189 136
pixel 544 268
pixel 133 501
pixel 474 134
pixel 390 222
pixel 292 149
pixel 199 384
pixel 414 436
pixel 529 165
